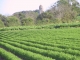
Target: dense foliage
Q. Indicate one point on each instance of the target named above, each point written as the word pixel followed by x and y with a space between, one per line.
pixel 1 24
pixel 63 11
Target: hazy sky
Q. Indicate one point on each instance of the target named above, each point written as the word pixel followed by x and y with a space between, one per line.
pixel 11 6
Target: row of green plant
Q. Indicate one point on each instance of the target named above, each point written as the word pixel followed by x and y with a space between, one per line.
pixel 69 38
pixel 7 55
pixel 66 41
pixel 24 54
pixel 49 53
pixel 74 35
pixel 70 51
pixel 50 26
pixel 50 36
pixel 55 45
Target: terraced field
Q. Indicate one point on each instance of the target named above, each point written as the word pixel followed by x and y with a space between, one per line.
pixel 40 44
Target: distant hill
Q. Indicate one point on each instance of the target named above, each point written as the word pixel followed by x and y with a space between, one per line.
pixel 27 14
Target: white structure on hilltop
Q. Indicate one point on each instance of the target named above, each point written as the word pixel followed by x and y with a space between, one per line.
pixel 40 9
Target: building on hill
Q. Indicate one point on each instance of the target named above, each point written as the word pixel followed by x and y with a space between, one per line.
pixel 40 9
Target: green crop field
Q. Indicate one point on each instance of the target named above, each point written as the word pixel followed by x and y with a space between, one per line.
pixel 40 44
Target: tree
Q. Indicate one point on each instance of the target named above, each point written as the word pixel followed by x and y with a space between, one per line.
pixel 27 21
pixel 3 18
pixel 27 14
pixel 45 18
pixel 63 11
pixel 13 21
pixel 1 24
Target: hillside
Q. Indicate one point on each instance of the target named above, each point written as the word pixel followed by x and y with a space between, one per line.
pixel 40 44
pixel 62 11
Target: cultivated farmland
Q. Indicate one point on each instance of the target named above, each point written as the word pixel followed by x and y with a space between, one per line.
pixel 40 44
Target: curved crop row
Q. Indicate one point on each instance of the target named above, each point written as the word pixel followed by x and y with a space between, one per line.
pixel 54 45
pixel 49 53
pixel 50 44
pixel 24 54
pixel 70 51
pixel 7 55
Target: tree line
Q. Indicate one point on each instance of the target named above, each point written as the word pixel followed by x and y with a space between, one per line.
pixel 63 11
